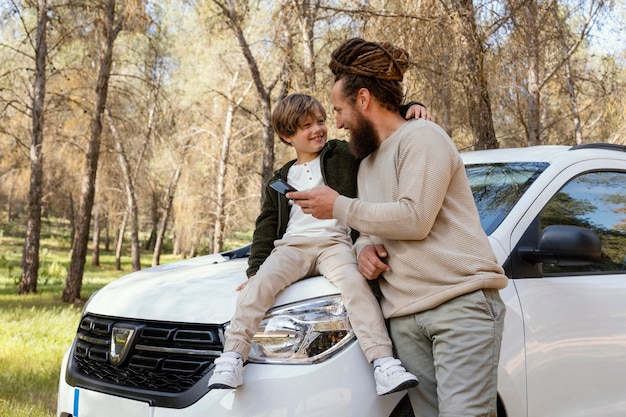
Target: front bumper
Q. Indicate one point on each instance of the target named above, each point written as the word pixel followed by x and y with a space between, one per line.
pixel 341 386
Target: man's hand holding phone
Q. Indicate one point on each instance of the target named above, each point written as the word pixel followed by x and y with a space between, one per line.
pixel 318 201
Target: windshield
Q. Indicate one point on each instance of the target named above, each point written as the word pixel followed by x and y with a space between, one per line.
pixel 498 187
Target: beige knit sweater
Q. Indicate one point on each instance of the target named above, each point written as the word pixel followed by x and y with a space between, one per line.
pixel 415 199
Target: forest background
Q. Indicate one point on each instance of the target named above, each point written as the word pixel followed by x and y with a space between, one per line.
pixel 142 126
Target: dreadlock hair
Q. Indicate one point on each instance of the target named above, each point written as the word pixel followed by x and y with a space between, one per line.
pixel 378 67
pixel 290 112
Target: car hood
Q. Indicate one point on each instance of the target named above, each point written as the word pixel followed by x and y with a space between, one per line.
pixel 199 290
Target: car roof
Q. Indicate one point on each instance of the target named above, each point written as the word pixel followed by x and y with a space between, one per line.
pixel 543 153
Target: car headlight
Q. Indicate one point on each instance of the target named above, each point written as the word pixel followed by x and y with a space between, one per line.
pixel 302 333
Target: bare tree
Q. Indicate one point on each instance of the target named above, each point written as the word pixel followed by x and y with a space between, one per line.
pixel 165 216
pixel 119 240
pixel 30 260
pixel 568 47
pixel 168 200
pixel 545 53
pixel 307 16
pixel 475 80
pixel 220 215
pixel 110 29
pixel 234 18
pixel 131 198
pixel 95 239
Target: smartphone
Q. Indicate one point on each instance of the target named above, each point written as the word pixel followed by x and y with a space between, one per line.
pixel 282 187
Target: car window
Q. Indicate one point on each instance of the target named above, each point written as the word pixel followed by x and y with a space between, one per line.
pixel 597 201
pixel 498 187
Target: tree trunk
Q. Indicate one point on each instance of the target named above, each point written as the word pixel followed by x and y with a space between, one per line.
pixel 475 82
pixel 533 126
pixel 95 240
pixel 268 143
pixel 74 281
pixel 131 199
pixel 30 259
pixel 445 93
pixel 220 215
pixel 72 216
pixel 154 217
pixel 167 209
pixel 158 244
pixel 119 242
pixel 264 94
pixel 107 234
pixel 571 89
pixel 306 17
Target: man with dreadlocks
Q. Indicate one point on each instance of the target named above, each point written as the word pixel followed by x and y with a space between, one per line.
pixel 420 236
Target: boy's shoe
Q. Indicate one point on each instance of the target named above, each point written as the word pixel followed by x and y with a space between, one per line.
pixel 228 373
pixel 392 377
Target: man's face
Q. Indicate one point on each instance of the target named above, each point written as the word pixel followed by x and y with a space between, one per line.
pixel 363 136
pixel 342 106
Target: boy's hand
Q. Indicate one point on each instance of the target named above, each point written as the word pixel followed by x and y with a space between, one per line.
pixel 371 263
pixel 241 286
pixel 418 112
pixel 318 201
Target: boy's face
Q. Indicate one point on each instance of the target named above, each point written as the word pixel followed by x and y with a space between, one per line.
pixel 310 137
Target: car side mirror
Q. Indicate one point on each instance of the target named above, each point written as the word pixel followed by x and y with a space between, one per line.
pixel 564 245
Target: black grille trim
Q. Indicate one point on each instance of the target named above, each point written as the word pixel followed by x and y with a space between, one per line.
pixel 167 365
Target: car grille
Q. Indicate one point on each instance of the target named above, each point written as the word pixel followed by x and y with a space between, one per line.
pixel 160 356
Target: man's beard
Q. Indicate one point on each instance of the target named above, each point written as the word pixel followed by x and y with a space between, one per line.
pixel 363 137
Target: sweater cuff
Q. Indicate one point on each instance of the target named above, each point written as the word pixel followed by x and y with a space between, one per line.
pixel 341 212
pixel 341 208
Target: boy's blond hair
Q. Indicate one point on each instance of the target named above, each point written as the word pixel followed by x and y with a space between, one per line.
pixel 290 112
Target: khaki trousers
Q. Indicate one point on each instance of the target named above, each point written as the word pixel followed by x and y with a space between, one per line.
pixel 454 350
pixel 293 259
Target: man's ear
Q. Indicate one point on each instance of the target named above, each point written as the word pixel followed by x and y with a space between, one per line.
pixel 363 97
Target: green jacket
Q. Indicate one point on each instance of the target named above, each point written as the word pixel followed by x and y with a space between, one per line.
pixel 339 170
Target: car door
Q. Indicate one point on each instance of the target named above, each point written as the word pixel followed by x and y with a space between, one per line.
pixel 575 316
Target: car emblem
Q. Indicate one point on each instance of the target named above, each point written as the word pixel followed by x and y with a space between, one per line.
pixel 121 341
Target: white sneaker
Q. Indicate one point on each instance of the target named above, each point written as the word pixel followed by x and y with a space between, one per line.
pixel 392 377
pixel 228 373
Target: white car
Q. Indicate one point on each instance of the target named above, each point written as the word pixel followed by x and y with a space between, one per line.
pixel 556 218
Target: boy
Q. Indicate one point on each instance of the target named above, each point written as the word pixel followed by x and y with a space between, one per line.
pixel 289 245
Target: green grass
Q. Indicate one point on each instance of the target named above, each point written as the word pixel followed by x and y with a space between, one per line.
pixel 35 332
pixel 36 329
